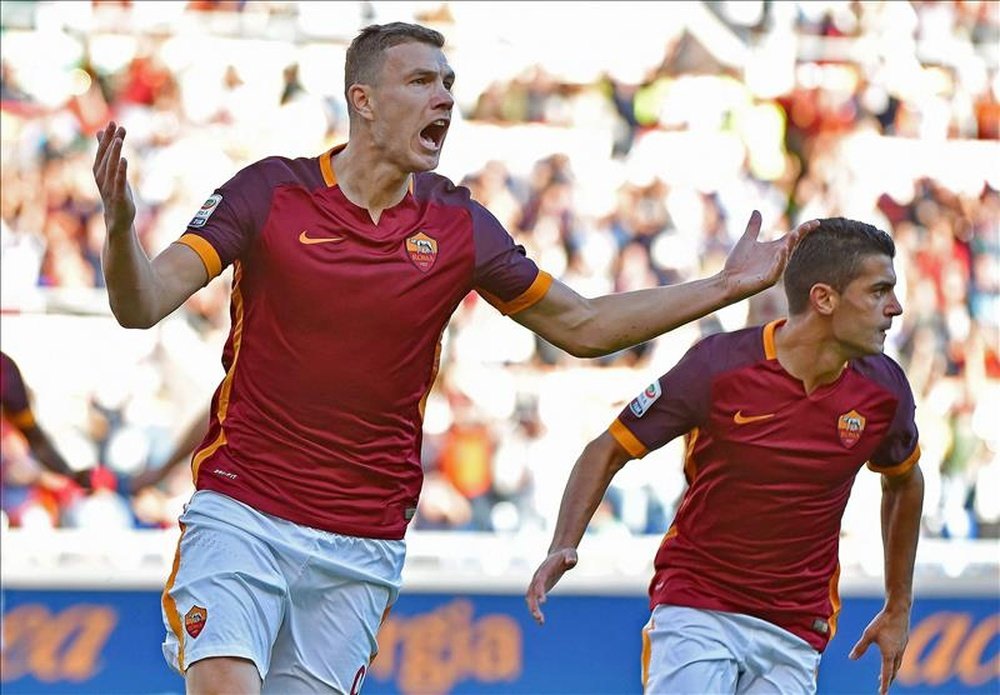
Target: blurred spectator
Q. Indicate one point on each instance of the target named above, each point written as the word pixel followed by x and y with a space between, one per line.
pixel 32 495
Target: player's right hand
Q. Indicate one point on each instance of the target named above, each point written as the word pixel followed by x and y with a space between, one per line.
pixel 548 573
pixel 755 265
pixel 111 176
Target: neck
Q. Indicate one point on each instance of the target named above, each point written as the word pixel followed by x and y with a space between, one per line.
pixel 806 350
pixel 368 179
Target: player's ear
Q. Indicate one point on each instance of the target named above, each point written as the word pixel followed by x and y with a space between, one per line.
pixel 360 98
pixel 823 298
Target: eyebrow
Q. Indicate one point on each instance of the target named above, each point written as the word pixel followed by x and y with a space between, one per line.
pixel 425 72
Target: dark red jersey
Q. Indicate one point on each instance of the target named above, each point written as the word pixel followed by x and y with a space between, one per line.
pixel 769 471
pixel 335 339
pixel 14 402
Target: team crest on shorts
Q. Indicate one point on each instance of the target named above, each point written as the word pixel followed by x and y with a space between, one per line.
pixel 849 427
pixel 194 620
pixel 422 250
pixel 640 404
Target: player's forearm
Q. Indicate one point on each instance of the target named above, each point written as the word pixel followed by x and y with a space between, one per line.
pixel 902 504
pixel 45 453
pixel 607 324
pixel 587 484
pixel 133 287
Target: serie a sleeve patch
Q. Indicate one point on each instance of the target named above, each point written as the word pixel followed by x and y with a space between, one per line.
pixel 207 208
pixel 641 403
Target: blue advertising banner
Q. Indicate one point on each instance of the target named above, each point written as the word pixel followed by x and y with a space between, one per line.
pixel 106 642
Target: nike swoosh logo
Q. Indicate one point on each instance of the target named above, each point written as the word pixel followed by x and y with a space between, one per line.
pixel 306 239
pixel 740 419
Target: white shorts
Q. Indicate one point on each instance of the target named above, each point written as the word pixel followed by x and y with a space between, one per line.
pixel 690 650
pixel 303 605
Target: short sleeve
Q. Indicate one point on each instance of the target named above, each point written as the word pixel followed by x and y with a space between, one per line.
pixel 230 219
pixel 669 407
pixel 504 275
pixel 899 450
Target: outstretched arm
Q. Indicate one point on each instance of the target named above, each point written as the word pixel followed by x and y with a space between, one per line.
pixel 46 454
pixel 17 410
pixel 140 292
pixel 588 482
pixel 603 325
pixel 902 502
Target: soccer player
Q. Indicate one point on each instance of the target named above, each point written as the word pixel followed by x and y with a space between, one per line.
pixel 17 411
pixel 347 267
pixel 779 419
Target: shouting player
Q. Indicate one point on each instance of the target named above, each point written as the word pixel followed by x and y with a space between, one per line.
pixel 347 267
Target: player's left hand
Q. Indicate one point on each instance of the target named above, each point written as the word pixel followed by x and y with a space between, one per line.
pixel 890 631
pixel 755 265
pixel 548 573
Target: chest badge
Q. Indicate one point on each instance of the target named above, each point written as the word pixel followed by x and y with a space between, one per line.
pixel 422 251
pixel 849 427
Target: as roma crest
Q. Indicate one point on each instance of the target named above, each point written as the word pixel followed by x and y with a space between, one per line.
pixel 422 250
pixel 849 427
pixel 194 620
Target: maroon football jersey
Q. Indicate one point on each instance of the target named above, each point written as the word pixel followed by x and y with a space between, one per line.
pixel 335 338
pixel 769 471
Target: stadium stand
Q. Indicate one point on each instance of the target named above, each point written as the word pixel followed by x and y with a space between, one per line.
pixel 615 174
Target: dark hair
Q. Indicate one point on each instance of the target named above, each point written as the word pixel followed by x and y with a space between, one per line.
pixel 364 55
pixel 832 253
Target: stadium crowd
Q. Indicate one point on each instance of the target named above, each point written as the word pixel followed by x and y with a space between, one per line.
pixel 619 179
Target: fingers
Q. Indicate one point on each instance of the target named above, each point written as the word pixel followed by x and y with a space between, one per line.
pixel 781 257
pixel 885 675
pixel 753 226
pixel 806 227
pixel 546 577
pixel 796 235
pixel 860 648
pixel 104 138
pixel 121 178
pixel 113 164
pixel 894 663
pixel 535 598
pixel 108 158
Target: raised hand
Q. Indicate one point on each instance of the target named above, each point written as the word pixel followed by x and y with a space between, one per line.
pixel 548 573
pixel 755 265
pixel 890 631
pixel 111 176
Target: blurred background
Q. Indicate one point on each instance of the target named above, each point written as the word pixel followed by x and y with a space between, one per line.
pixel 625 146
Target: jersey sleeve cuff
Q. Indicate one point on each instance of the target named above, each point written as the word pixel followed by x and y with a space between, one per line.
pixel 206 252
pixel 629 441
pixel 530 297
pixel 899 468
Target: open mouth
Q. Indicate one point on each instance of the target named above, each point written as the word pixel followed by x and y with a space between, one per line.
pixel 433 135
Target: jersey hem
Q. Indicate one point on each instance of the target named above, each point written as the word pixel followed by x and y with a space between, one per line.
pixel 260 504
